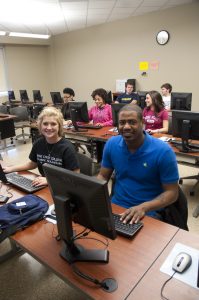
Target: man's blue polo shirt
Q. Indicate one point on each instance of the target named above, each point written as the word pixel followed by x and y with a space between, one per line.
pixel 139 175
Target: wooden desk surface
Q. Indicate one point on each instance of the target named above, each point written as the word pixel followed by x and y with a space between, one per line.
pixel 102 134
pixel 5 117
pixel 129 259
pixel 149 287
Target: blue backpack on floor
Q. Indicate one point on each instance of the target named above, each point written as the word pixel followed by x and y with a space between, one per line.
pixel 21 213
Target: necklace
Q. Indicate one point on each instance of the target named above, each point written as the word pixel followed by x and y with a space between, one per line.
pixel 49 148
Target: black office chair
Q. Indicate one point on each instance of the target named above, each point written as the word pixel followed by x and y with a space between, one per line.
pixel 3 109
pixel 22 121
pixel 85 164
pixel 177 213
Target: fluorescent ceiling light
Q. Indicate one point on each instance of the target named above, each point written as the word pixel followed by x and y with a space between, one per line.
pixel 2 33
pixel 30 35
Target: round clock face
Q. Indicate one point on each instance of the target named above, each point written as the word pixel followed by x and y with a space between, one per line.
pixel 162 37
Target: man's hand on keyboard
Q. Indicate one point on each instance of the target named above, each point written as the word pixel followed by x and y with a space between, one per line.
pixel 133 214
pixel 38 181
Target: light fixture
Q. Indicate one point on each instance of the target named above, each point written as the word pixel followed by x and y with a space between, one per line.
pixel 2 33
pixel 30 35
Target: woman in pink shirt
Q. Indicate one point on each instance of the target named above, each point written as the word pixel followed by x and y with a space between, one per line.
pixel 101 113
pixel 154 114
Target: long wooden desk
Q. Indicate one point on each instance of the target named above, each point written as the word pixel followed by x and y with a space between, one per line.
pixel 150 285
pixel 129 259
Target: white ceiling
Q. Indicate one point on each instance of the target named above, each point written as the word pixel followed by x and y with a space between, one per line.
pixel 59 16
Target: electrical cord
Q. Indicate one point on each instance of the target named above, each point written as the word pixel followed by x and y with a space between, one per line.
pixel 163 286
pixel 83 235
pixel 87 277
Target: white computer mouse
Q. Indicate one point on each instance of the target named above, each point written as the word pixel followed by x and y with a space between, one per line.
pixel 182 262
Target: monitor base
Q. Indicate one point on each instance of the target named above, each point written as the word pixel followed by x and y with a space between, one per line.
pixel 79 253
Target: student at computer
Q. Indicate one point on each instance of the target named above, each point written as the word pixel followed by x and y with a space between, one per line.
pixel 69 94
pixel 155 116
pixel 101 113
pixel 146 172
pixel 166 89
pixel 50 148
pixel 129 96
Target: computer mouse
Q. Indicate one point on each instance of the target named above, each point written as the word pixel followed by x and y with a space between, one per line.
pixel 182 262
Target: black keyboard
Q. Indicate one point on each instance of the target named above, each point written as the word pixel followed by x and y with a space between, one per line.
pixel 22 182
pixel 89 126
pixel 179 143
pixel 127 230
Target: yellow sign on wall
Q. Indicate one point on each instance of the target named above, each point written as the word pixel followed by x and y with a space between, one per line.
pixel 143 65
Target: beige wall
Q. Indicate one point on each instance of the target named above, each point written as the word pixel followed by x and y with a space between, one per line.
pixel 27 68
pixel 97 56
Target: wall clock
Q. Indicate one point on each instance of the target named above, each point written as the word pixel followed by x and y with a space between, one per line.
pixel 162 37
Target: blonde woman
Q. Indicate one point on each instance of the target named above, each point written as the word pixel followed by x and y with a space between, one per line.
pixel 50 148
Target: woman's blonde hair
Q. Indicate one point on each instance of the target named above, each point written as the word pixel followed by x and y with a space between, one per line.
pixel 51 111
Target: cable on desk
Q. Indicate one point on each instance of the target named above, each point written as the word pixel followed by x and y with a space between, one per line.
pixel 87 277
pixel 163 286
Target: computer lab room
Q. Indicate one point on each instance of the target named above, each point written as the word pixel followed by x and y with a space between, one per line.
pixel 85 243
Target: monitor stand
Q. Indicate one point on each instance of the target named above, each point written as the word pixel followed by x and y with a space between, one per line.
pixel 77 129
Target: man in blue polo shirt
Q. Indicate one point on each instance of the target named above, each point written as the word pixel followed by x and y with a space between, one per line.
pixel 129 96
pixel 145 168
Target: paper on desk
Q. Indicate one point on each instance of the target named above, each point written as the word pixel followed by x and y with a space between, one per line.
pixel 49 213
pixel 190 275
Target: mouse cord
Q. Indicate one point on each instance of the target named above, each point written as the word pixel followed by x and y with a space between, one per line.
pixel 163 286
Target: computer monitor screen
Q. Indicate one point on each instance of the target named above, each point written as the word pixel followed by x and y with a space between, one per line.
pixel 141 99
pixel 181 101
pixel 56 98
pixel 79 113
pixel 37 96
pixel 23 95
pixel 115 112
pixel 185 124
pixel 109 98
pixel 84 200
pixel 11 95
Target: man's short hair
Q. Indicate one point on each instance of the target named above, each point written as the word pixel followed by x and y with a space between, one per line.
pixel 167 86
pixel 69 91
pixel 132 107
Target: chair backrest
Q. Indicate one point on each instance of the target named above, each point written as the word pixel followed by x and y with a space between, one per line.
pixel 3 109
pixel 177 213
pixel 170 124
pixel 21 112
pixel 37 108
pixel 85 164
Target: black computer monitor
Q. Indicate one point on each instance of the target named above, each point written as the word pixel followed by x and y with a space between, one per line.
pixel 185 124
pixel 115 112
pixel 11 95
pixel 141 99
pixel 109 98
pixel 37 96
pixel 84 200
pixel 56 98
pixel 23 95
pixel 78 113
pixel 181 101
